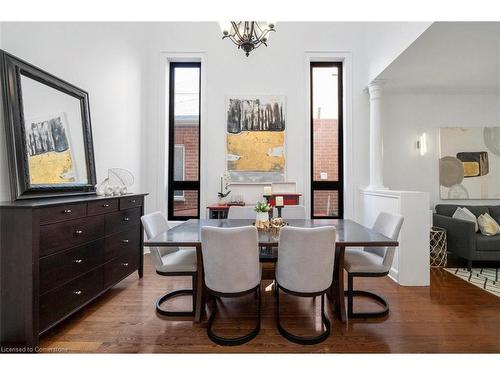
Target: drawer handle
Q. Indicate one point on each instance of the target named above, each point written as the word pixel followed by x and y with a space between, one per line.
pixel 78 232
pixel 126 219
pixel 132 201
pixel 77 292
pixel 68 211
pixel 78 261
pixel 105 205
pixel 125 241
pixel 125 264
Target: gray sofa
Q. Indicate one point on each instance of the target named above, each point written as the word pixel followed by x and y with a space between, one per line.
pixel 463 241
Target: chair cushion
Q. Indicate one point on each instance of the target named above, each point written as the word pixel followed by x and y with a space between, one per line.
pixel 487 243
pixel 357 260
pixel 179 261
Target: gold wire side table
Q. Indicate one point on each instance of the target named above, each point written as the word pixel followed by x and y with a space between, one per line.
pixel 438 247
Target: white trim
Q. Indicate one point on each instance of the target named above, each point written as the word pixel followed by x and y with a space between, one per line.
pixel 162 133
pixel 349 193
pixel 441 90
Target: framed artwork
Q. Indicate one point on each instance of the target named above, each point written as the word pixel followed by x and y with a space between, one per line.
pixel 255 139
pixel 469 164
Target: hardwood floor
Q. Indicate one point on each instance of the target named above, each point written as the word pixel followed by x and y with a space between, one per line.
pixel 449 316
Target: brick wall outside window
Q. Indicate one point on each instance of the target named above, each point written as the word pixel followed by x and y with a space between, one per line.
pixel 186 134
pixel 325 146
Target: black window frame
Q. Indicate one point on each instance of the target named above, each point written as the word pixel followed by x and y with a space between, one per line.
pixel 329 185
pixel 172 184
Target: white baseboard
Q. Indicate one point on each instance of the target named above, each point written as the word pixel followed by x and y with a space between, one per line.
pixel 394 275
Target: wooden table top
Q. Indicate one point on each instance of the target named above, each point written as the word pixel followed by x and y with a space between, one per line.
pixel 349 233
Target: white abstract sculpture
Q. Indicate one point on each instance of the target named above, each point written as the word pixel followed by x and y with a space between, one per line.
pixel 117 182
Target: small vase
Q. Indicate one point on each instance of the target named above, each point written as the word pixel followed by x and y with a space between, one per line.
pixel 261 219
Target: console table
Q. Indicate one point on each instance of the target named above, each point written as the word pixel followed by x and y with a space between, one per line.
pixel 219 210
pixel 289 199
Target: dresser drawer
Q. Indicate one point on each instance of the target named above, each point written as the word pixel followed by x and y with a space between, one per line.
pixel 58 269
pixel 129 202
pixel 62 213
pixel 59 302
pixel 122 220
pixel 122 243
pixel 102 206
pixel 119 268
pixel 60 236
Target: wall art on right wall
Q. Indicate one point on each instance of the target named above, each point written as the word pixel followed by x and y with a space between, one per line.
pixel 469 164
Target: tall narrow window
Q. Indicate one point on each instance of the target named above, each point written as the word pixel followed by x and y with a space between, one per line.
pixel 326 140
pixel 184 141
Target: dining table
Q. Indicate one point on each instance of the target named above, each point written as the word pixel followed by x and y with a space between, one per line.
pixel 349 234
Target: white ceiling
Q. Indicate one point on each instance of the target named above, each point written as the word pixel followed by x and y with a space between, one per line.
pixel 449 55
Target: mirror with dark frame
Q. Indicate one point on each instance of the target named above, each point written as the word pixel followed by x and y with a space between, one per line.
pixel 49 136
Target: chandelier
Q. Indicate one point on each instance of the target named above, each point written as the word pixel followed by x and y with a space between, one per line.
pixel 248 35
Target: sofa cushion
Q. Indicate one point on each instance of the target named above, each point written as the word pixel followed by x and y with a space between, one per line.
pixel 487 243
pixel 449 209
pixel 495 213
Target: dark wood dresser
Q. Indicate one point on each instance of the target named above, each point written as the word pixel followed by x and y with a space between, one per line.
pixel 59 254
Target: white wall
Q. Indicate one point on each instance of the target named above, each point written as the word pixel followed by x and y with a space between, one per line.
pixel 277 69
pixel 104 60
pixel 120 65
pixel 387 40
pixel 406 115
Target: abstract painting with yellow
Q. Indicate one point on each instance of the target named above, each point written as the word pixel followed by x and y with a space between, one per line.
pixel 51 168
pixel 49 153
pixel 256 139
pixel 256 151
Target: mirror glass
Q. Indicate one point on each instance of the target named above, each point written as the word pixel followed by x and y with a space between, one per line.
pixel 54 135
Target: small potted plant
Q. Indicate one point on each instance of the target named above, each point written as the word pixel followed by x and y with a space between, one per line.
pixel 262 209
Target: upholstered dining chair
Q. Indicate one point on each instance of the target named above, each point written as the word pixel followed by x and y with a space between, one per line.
pixel 241 212
pixel 170 261
pixel 231 267
pixel 291 212
pixel 371 262
pixel 305 273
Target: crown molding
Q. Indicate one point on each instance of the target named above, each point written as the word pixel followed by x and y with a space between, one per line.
pixel 443 90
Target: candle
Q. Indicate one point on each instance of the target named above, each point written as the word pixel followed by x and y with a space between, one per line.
pixel 267 191
pixel 279 202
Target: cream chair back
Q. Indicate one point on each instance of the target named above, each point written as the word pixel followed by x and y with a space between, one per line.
pixel 241 212
pixel 291 212
pixel 390 226
pixel 305 258
pixel 230 258
pixel 154 224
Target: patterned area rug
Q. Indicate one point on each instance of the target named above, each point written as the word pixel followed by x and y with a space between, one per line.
pixel 484 278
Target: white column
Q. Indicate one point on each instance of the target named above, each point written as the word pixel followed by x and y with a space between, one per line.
pixel 376 149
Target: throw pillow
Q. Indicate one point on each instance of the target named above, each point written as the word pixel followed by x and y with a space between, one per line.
pixel 472 216
pixel 463 213
pixel 488 225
